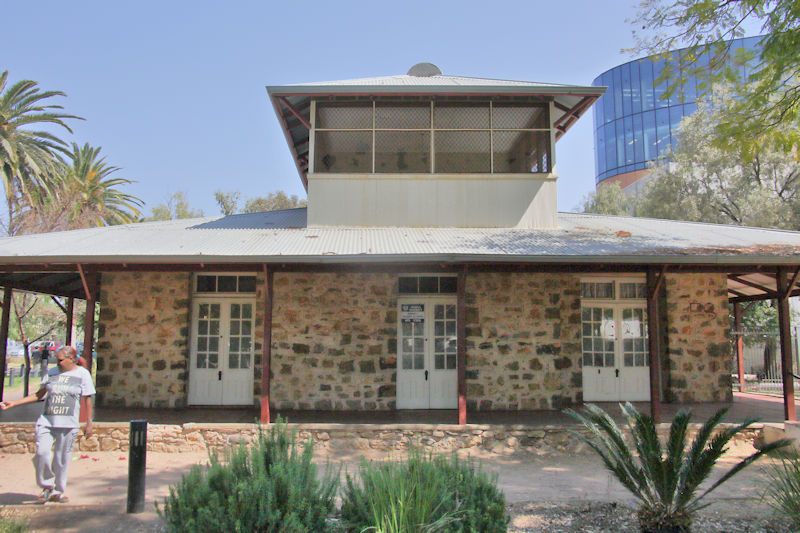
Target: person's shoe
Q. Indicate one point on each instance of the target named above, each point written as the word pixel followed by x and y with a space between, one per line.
pixel 44 496
pixel 59 498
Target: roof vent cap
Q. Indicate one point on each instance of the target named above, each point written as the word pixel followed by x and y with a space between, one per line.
pixel 424 70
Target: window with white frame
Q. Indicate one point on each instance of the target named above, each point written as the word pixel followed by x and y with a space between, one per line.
pixel 614 323
pixel 224 284
pixel 427 284
pixel 408 136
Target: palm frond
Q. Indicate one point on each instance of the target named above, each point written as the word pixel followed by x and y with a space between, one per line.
pixel 664 479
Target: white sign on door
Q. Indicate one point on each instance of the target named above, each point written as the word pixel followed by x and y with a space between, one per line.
pixel 412 313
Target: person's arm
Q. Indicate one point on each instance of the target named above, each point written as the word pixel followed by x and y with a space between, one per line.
pixel 30 398
pixel 89 409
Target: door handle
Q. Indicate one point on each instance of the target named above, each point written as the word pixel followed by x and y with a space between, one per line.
pixel 220 376
pixel 616 372
pixel 426 375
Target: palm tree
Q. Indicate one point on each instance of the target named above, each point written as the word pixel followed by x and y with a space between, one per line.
pixel 85 195
pixel 28 159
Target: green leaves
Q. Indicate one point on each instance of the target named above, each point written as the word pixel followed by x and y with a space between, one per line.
pixel 769 97
pixel 424 494
pixel 665 480
pixel 29 162
pixel 752 183
pixel 271 487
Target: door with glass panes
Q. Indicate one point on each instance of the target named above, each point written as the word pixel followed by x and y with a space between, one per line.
pixel 615 356
pixel 221 356
pixel 427 375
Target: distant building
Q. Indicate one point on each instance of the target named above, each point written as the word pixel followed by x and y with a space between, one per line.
pixel 633 124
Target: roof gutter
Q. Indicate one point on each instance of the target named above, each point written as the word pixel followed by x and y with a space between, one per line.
pixel 694 260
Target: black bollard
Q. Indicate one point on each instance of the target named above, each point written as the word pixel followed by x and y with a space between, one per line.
pixel 137 457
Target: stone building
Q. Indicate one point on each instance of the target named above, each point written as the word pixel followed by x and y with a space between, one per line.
pixel 430 270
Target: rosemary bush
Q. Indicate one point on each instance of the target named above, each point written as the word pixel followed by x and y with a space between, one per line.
pixel 271 487
pixel 783 489
pixel 426 494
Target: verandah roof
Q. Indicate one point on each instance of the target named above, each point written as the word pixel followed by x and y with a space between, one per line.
pixel 748 255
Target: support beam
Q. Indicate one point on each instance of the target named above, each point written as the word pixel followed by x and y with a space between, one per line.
pixel 70 317
pixel 461 344
pixel 86 289
pixel 654 344
pixel 266 345
pixel 295 112
pixel 88 337
pixel 743 281
pixel 7 294
pixel 784 329
pixel 737 327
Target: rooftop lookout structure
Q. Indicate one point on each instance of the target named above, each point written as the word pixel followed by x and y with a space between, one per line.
pixel 429 150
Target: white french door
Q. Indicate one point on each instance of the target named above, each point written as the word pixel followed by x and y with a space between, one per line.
pixel 221 355
pixel 615 355
pixel 427 375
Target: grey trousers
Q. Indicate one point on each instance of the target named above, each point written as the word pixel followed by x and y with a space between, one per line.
pixel 52 463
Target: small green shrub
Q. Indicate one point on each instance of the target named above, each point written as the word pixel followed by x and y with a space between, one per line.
pixel 783 489
pixel 424 494
pixel 270 487
pixel 13 525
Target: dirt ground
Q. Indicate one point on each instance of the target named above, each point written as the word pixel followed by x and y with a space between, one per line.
pixel 553 493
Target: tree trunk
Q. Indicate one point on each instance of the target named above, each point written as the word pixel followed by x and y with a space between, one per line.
pixel 27 356
pixel 769 358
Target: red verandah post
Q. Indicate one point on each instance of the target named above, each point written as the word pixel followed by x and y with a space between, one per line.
pixel 266 346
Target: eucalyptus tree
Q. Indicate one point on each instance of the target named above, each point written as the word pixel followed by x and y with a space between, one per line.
pixel 741 184
pixel 768 96
pixel 29 162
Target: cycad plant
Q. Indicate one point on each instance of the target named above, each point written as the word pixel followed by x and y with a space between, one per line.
pixel 667 480
pixel 782 491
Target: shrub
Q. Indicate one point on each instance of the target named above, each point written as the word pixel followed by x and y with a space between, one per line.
pixel 783 490
pixel 426 493
pixel 665 481
pixel 270 487
pixel 13 525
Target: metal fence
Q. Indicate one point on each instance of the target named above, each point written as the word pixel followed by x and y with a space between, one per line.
pixel 762 360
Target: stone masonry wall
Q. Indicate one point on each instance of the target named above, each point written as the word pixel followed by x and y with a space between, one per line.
pixel 143 339
pixel 523 341
pixel 334 341
pixel 389 438
pixel 698 339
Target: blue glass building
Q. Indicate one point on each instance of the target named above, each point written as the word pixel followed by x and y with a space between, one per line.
pixel 633 124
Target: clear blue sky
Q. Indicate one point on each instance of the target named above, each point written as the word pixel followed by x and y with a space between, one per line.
pixel 174 91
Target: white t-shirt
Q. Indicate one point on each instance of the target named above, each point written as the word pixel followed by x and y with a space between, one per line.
pixel 63 402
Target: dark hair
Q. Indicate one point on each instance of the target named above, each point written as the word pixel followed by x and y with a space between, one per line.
pixel 69 352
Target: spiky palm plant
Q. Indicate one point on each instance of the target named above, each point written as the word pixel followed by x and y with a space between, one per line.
pixel 28 158
pixel 666 481
pixel 85 195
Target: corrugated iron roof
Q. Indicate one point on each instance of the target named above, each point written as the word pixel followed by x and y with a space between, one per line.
pixel 442 80
pixel 282 236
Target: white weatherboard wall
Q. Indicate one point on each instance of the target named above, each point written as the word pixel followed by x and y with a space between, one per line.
pixel 433 200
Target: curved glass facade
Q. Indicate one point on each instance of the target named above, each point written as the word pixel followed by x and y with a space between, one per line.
pixel 632 122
